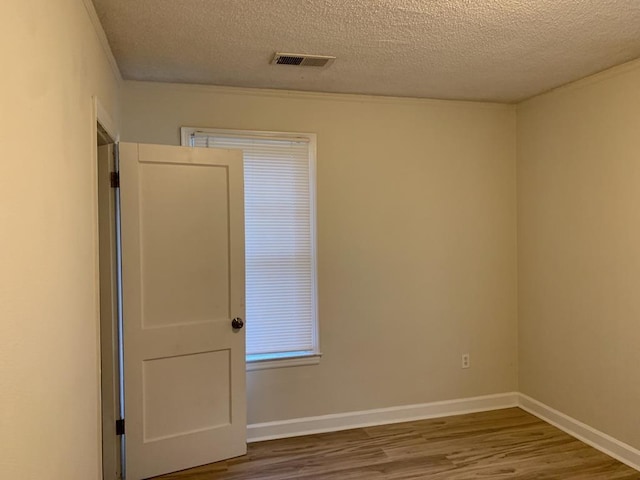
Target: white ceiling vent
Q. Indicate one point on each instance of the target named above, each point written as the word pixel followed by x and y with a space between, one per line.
pixel 302 60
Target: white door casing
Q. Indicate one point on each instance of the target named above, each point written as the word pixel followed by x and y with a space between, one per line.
pixel 183 283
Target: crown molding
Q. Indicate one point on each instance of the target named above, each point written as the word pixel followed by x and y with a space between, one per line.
pixel 592 79
pixel 319 96
pixel 102 38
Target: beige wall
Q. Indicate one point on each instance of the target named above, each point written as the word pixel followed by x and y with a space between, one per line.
pixel 416 241
pixel 52 64
pixel 579 250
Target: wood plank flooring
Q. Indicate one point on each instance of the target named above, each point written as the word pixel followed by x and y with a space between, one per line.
pixel 503 444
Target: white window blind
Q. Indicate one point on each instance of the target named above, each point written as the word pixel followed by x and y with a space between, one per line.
pixel 279 242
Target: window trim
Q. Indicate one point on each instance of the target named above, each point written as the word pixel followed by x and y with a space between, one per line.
pixel 290 361
pixel 312 357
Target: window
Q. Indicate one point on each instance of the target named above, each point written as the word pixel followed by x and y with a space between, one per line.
pixel 279 183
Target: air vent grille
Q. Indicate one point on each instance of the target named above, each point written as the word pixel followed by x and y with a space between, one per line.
pixel 302 60
pixel 289 60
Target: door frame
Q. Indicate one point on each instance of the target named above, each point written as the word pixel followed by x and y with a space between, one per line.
pixel 100 118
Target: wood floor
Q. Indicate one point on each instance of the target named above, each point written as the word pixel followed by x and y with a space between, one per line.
pixel 490 445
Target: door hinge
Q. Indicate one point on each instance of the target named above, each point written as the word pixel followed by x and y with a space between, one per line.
pixel 120 427
pixel 115 180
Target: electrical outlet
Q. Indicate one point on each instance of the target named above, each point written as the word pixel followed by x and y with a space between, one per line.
pixel 466 363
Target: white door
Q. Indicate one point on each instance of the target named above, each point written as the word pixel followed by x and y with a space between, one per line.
pixel 183 283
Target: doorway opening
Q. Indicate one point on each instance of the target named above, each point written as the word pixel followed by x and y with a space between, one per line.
pixel 111 351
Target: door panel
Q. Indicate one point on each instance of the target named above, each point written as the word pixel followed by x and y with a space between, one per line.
pixel 184 246
pixel 183 281
pixel 205 404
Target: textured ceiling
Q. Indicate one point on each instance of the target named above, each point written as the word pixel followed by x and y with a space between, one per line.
pixel 499 50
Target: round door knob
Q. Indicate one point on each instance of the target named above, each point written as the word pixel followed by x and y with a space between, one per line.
pixel 237 323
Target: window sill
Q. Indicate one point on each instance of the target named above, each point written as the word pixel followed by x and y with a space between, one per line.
pixel 310 359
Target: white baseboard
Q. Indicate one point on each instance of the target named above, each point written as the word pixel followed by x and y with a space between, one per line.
pixel 381 416
pixel 589 435
pixel 344 421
